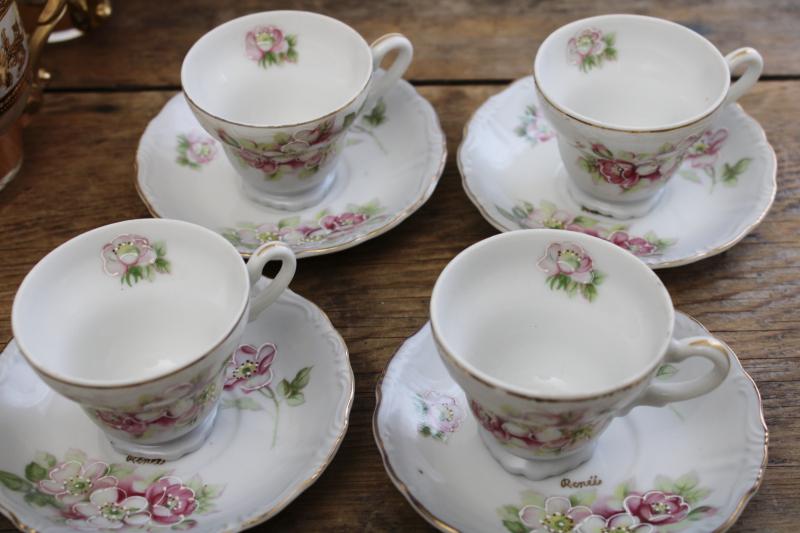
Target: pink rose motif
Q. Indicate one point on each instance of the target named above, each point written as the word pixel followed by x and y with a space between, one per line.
pixel 123 422
pixel 170 501
pixel 125 252
pixel 111 508
pixel 72 482
pixel 263 163
pixel 636 245
pixel 618 172
pixel 621 522
pixel 657 507
pixel 705 152
pixel 249 368
pixel 557 515
pixel 567 259
pixel 441 414
pixel 201 150
pixel 540 218
pixel 588 42
pixel 342 222
pixel 263 40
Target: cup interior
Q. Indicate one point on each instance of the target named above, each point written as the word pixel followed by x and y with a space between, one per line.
pixel 276 68
pixel 631 72
pixel 79 324
pixel 496 311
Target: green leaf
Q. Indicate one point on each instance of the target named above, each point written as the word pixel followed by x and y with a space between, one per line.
pixel 741 165
pixel 296 399
pixel 39 499
pixel 284 389
pixel 291 40
pixel 45 459
pixel 302 378
pixel 508 512
pixel 622 490
pixel 162 265
pixel 666 371
pixel 698 512
pixel 515 526
pixel 377 116
pixel 586 498
pixel 425 431
pixel 75 455
pixel 245 403
pixel 14 482
pixel 690 175
pixel 289 222
pixel 519 212
pixel 120 470
pixel 506 214
pixel 35 472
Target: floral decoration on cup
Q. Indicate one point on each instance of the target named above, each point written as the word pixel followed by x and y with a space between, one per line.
pixel 268 45
pixel 133 258
pixel 589 48
pixel 569 268
pixel 548 215
pixel 703 156
pixel 87 494
pixel 532 126
pixel 195 150
pixel 628 170
pixel 439 415
pixel 673 505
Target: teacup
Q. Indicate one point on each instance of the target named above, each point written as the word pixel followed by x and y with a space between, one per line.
pixel 551 334
pixel 630 96
pixel 279 90
pixel 136 322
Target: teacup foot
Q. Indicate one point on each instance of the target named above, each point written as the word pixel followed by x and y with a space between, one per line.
pixel 293 201
pixel 618 210
pixel 172 450
pixel 534 469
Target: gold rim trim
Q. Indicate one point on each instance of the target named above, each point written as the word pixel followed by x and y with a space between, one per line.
pixel 692 258
pixel 435 521
pixel 399 217
pixel 301 487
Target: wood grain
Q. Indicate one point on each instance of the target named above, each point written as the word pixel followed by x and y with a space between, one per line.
pixel 79 174
pixel 143 46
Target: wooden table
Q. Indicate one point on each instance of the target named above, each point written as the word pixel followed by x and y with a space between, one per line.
pixel 79 174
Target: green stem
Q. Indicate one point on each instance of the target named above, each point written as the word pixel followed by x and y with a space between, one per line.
pixel 268 392
pixel 362 129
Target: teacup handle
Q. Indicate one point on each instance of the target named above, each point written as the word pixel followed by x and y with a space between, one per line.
pixel 660 394
pixel 271 251
pixel 382 46
pixel 751 59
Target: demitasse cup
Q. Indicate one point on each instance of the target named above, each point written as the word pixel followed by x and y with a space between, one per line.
pixel 136 322
pixel 551 334
pixel 279 90
pixel 629 96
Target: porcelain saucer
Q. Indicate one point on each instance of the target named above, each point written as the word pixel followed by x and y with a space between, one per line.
pixel 689 467
pixel 59 473
pixel 390 166
pixel 512 171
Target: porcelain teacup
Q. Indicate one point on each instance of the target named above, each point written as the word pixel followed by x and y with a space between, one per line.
pixel 279 90
pixel 551 334
pixel 136 322
pixel 629 97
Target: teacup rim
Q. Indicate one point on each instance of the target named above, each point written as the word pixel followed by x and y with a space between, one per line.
pixel 266 126
pixel 521 392
pixel 583 119
pixel 131 383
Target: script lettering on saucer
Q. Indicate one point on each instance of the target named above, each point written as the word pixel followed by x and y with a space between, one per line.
pixel 593 481
pixel 144 460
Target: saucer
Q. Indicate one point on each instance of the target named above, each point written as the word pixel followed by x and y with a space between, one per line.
pixel 59 473
pixel 392 161
pixel 697 462
pixel 512 171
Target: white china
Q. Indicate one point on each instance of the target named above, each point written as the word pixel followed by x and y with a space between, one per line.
pixel 280 90
pixel 513 173
pixel 568 332
pixel 699 461
pixel 629 96
pixel 391 163
pixel 268 445
pixel 136 321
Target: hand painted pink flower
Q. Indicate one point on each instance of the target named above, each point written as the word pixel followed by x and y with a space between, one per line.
pixel 443 412
pixel 587 42
pixel 567 259
pixel 618 172
pixel 557 516
pixel 705 152
pixel 123 422
pixel 656 507
pixel 619 523
pixel 583 229
pixel 540 218
pixel 201 149
pixel 170 501
pixel 72 482
pixel 127 251
pixel 249 368
pixel 264 39
pixel 112 508
pixel 651 169
pixel 263 163
pixel 343 221
pixel 635 245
